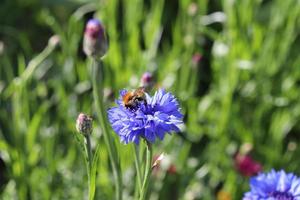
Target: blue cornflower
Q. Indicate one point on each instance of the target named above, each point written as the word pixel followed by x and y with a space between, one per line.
pixel 150 118
pixel 274 186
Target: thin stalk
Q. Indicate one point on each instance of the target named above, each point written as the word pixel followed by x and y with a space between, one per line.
pixel 138 168
pixel 97 76
pixel 89 150
pixel 148 169
pixel 136 191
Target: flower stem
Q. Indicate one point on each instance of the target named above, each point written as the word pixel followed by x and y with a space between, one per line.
pixel 90 160
pixel 89 151
pixel 138 168
pixel 97 74
pixel 148 169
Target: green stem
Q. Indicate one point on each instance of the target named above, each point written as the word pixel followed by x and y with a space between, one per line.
pixel 136 191
pixel 138 167
pixel 148 170
pixel 89 150
pixel 97 74
pixel 28 72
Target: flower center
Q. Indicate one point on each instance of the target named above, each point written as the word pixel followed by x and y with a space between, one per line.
pixel 282 195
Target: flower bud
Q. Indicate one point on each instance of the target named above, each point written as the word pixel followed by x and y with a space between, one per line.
pixel 197 57
pixel 84 124
pixel 157 160
pixel 94 40
pixel 147 80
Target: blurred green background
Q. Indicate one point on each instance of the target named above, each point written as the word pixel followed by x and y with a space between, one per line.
pixel 244 89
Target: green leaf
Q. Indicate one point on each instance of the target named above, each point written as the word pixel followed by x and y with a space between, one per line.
pixel 93 174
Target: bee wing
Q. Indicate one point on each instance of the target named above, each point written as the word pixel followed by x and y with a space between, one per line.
pixel 140 89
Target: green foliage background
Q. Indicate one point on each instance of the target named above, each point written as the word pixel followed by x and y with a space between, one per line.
pixel 244 90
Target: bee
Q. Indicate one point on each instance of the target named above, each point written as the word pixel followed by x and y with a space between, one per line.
pixel 132 98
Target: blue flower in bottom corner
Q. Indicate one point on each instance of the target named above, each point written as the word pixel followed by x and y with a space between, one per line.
pixel 274 186
pixel 138 115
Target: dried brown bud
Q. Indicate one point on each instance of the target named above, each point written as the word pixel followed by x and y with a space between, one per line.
pixel 84 124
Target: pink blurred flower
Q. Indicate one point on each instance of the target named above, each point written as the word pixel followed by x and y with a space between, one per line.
pixel 246 165
pixel 197 57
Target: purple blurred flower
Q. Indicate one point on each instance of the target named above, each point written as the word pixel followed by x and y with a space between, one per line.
pixel 147 80
pixel 94 40
pixel 274 186
pixel 149 120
